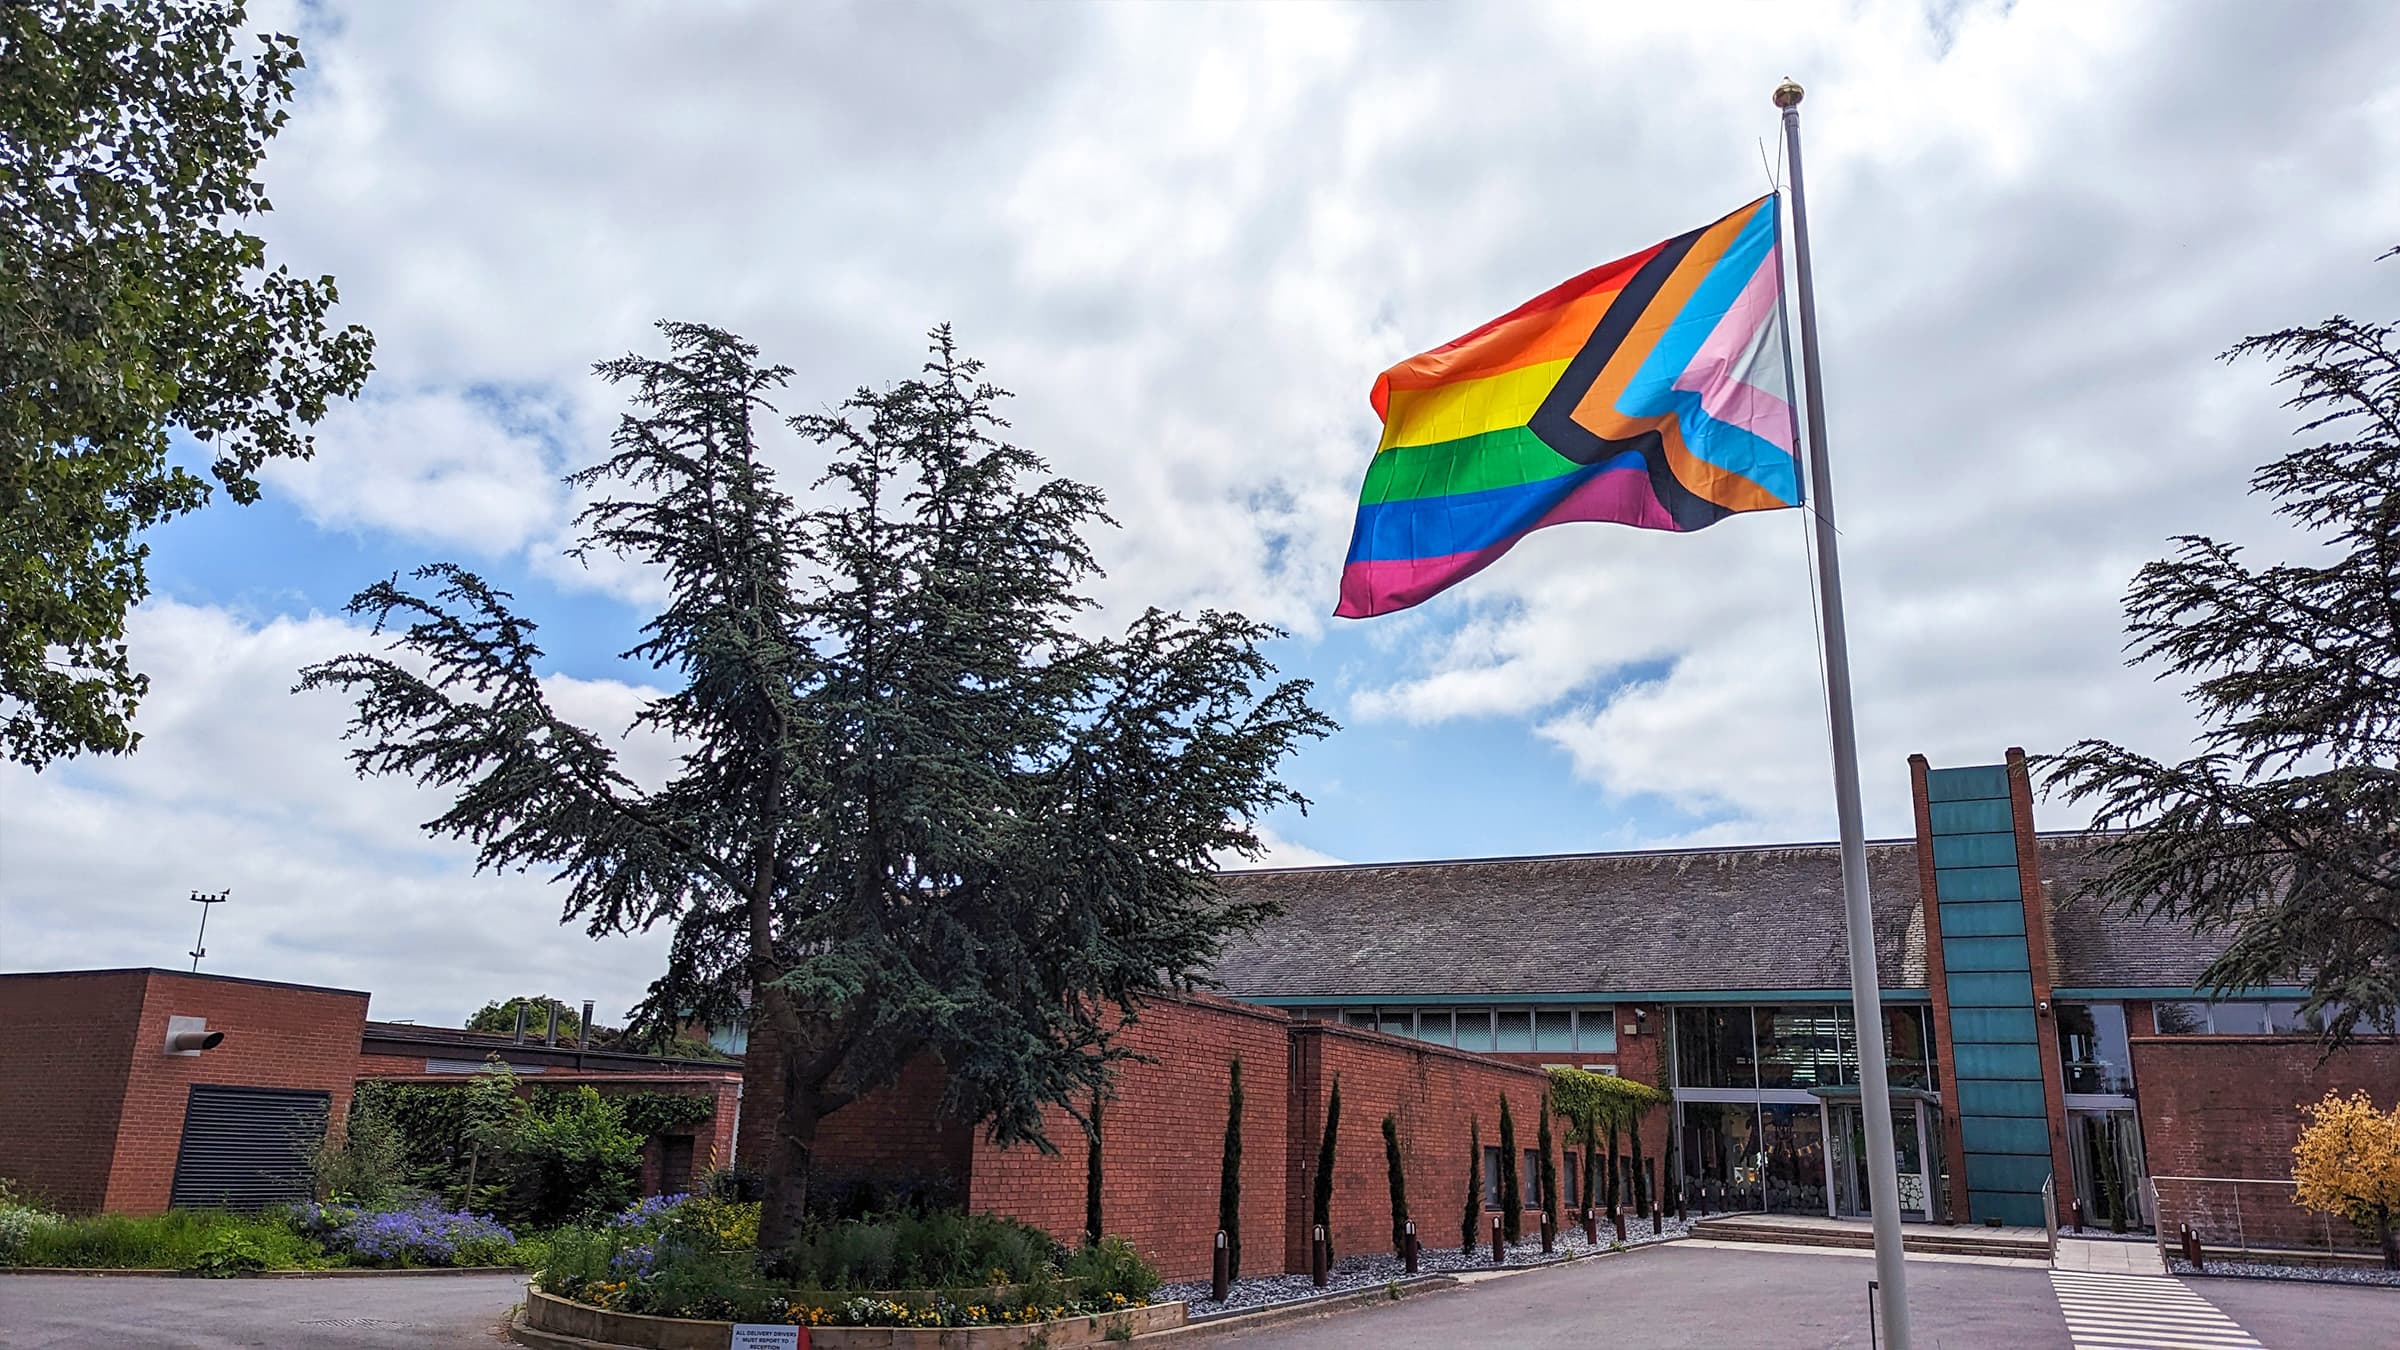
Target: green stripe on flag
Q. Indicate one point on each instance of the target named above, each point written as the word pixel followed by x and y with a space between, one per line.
pixel 1510 457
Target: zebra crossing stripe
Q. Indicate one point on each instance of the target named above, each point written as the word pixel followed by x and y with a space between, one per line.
pixel 2107 1311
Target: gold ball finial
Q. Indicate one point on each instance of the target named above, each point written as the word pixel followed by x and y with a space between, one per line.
pixel 1788 93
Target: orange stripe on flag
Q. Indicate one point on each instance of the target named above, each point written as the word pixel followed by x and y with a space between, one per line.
pixel 1509 341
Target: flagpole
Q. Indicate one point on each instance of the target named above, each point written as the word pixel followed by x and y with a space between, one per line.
pixel 1866 996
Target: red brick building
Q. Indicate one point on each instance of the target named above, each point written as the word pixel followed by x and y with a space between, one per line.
pixel 128 1091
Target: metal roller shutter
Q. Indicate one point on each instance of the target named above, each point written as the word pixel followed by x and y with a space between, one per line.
pixel 247 1148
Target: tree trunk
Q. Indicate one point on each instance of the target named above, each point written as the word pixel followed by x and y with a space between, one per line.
pixel 801 1104
pixel 1612 1169
pixel 2388 1236
pixel 1633 1138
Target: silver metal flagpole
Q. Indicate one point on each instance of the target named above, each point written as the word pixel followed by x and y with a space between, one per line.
pixel 1866 997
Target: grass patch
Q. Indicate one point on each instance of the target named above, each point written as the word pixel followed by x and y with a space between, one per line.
pixel 177 1240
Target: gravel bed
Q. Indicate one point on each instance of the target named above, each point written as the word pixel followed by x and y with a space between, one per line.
pixel 1354 1273
pixel 2268 1270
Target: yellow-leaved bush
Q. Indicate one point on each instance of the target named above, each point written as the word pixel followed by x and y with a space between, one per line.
pixel 2348 1163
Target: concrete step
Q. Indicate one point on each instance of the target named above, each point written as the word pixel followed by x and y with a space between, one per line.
pixel 1954 1242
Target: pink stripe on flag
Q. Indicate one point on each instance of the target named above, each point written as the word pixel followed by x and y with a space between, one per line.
pixel 1720 371
pixel 1618 496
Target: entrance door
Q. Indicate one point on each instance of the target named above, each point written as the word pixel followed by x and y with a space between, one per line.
pixel 2108 1168
pixel 1849 1156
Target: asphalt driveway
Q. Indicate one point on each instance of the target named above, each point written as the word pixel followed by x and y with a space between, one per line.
pixel 1725 1299
pixel 353 1313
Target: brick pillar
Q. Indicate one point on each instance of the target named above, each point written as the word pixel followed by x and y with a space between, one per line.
pixel 1953 1143
pixel 2037 943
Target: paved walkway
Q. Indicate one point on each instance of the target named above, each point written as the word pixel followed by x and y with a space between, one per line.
pixel 2109 1258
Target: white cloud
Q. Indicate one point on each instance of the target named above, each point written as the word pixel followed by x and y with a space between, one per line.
pixel 241 785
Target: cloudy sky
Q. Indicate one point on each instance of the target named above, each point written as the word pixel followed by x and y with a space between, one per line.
pixel 1188 237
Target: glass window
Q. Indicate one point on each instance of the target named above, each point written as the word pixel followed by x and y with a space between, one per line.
pixel 1433 1024
pixel 1399 1022
pixel 1360 1017
pixel 1713 1048
pixel 1516 1031
pixel 1475 1029
pixel 2181 1019
pixel 2092 1049
pixel 1529 1181
pixel 2237 1019
pixel 1908 1055
pixel 1553 1030
pixel 2284 1019
pixel 1718 1155
pixel 1791 1159
pixel 1596 1029
pixel 1491 1178
pixel 1570 1177
pixel 1798 1047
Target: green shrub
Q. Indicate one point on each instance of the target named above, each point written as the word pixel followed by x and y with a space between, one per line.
pixel 919 1251
pixel 230 1253
pixel 1229 1180
pixel 1512 1200
pixel 17 1223
pixel 368 1165
pixel 579 1162
pixel 1113 1267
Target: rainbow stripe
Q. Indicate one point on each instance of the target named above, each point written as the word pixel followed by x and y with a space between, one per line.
pixel 1651 391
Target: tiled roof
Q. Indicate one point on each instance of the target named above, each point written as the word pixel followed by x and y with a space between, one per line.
pixel 2096 948
pixel 1653 922
pixel 1752 918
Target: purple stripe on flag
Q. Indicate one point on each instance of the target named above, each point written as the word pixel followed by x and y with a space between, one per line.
pixel 1621 496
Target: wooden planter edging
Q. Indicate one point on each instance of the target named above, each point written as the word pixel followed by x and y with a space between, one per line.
pixel 565 1317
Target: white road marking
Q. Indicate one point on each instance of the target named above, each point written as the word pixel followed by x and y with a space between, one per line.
pixel 2106 1311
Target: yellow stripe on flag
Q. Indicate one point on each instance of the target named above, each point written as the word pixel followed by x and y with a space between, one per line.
pixel 1468 407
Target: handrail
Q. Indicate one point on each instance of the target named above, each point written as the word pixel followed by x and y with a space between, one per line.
pixel 2050 1212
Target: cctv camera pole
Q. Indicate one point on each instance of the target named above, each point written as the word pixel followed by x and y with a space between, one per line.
pixel 1866 997
pixel 200 943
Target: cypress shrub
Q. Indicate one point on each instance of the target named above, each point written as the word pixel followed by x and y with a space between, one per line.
pixel 1472 1219
pixel 1322 1210
pixel 1399 1183
pixel 1229 1184
pixel 1591 1165
pixel 1091 1180
pixel 1612 1167
pixel 1547 1179
pixel 1512 1198
pixel 1633 1139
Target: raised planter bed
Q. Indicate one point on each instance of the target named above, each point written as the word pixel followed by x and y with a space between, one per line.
pixel 564 1317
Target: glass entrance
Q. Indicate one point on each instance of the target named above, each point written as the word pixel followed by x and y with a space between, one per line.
pixel 2108 1168
pixel 1849 1159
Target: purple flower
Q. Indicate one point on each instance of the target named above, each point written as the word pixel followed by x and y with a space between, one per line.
pixel 423 1234
pixel 649 1211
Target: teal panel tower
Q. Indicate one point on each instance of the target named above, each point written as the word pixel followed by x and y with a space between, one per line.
pixel 1988 969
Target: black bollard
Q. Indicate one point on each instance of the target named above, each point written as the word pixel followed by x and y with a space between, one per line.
pixel 1679 1218
pixel 1499 1248
pixel 1658 1218
pixel 1320 1258
pixel 1591 1227
pixel 2075 1215
pixel 1220 1285
pixel 2191 1249
pixel 1618 1216
pixel 1549 1234
pixel 1408 1247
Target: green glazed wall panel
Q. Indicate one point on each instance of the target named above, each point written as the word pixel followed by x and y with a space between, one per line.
pixel 1984 953
pixel 1953 785
pixel 1992 1026
pixel 1977 883
pixel 1990 989
pixel 1976 1060
pixel 2007 1171
pixel 1984 918
pixel 1984 1097
pixel 2014 1208
pixel 2005 1134
pixel 1976 817
pixel 1998 849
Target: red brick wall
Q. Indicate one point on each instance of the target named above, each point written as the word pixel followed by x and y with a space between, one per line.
pixel 276 1036
pixel 1433 1094
pixel 2228 1106
pixel 1162 1142
pixel 66 1043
